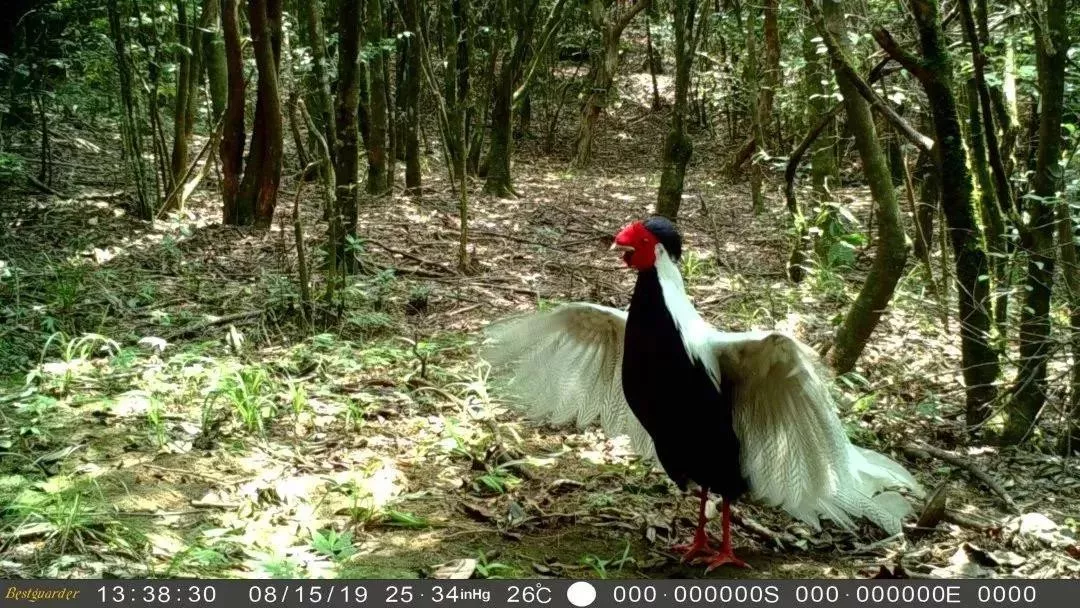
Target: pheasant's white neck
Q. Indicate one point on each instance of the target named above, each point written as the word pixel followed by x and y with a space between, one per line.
pixel 693 329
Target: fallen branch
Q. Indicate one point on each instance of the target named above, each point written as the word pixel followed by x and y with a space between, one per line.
pixel 783 540
pixel 965 521
pixel 35 182
pixel 195 328
pixel 922 450
pixel 412 256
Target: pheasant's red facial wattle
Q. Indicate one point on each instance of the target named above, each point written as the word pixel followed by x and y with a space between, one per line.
pixel 638 246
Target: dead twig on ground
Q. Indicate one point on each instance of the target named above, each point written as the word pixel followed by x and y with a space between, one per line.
pixel 921 450
pixel 782 540
pixel 412 256
pixel 33 181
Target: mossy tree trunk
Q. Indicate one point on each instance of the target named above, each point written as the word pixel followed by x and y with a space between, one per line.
pixel 993 222
pixel 1029 392
pixel 890 254
pixel 995 192
pixel 677 145
pixel 934 72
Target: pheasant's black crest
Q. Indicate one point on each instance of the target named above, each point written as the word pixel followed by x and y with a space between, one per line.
pixel 665 232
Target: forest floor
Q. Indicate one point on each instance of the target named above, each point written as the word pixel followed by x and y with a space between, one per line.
pixel 165 412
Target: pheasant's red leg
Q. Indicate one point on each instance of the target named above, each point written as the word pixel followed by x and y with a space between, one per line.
pixel 726 555
pixel 700 544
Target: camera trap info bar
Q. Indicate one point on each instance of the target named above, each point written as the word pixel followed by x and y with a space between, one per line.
pixel 194 593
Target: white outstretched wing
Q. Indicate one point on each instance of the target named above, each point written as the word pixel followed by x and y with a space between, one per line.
pixel 795 453
pixel 565 365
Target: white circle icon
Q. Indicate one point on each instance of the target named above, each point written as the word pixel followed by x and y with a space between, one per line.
pixel 581 594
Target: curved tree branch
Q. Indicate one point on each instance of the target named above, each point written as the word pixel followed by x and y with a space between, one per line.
pixel 889 44
pixel 625 20
pixel 840 63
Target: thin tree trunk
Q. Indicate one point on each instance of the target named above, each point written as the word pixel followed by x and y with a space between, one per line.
pixel 487 88
pixel 993 223
pixel 195 74
pixel 604 71
pixel 129 124
pixel 755 84
pixel 823 166
pixel 1002 189
pixel 302 159
pixel 375 143
pixel 1070 271
pixel 454 31
pixel 678 148
pixel 334 278
pixel 232 134
pixel 913 206
pixel 180 105
pixel 929 200
pixel 523 21
pixel 152 47
pixel 890 255
pixel 348 139
pixel 392 140
pixel 1029 392
pixel 770 74
pixel 996 196
pixel 324 101
pixel 652 59
pixel 411 97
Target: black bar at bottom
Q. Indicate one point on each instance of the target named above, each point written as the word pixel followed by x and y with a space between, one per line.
pixel 528 593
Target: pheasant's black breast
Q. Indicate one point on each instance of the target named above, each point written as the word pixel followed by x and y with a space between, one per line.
pixel 688 418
